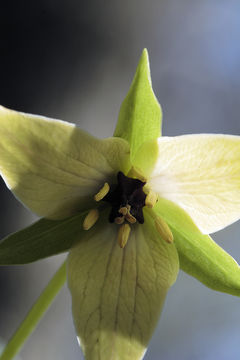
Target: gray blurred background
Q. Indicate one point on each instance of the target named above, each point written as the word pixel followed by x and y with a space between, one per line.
pixel 74 60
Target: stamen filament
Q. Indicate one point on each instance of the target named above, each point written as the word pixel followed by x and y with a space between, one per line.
pixel 164 230
pixel 102 192
pixel 123 235
pixel 90 219
pixel 136 173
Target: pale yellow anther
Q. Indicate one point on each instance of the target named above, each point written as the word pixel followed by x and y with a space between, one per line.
pixel 123 235
pixel 123 210
pixel 102 192
pixel 90 219
pixel 151 199
pixel 136 173
pixel 164 230
pixel 119 220
pixel 131 219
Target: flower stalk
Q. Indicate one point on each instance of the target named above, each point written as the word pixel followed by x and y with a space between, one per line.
pixel 35 314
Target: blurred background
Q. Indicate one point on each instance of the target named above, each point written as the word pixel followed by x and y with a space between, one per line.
pixel 74 60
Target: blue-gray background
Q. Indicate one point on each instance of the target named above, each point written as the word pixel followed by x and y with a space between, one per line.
pixel 74 60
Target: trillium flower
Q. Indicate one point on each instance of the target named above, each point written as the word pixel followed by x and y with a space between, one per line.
pixel 128 209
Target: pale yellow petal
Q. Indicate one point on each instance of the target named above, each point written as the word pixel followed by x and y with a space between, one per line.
pixel 52 166
pixel 200 173
pixel 117 294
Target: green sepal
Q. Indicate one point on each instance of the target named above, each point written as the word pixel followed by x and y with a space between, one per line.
pixel 140 113
pixel 203 259
pixel 42 239
pixel 199 255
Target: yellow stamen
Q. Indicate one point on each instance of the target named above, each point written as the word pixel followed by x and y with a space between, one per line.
pixel 102 192
pixel 130 218
pixel 90 219
pixel 119 220
pixel 164 230
pixel 123 235
pixel 123 210
pixel 151 199
pixel 136 173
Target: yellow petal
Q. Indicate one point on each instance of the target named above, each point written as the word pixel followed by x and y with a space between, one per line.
pixel 200 173
pixel 117 294
pixel 52 166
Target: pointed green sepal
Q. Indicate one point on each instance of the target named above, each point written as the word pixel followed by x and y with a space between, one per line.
pixel 42 239
pixel 140 114
pixel 199 255
pixel 203 259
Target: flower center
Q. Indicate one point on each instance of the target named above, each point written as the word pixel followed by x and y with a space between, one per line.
pixel 127 199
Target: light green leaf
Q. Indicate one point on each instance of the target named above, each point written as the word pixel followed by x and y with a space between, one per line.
pixel 42 239
pixel 199 255
pixel 140 114
pixel 52 166
pixel 117 294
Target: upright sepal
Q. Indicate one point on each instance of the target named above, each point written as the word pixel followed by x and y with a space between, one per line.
pixel 140 114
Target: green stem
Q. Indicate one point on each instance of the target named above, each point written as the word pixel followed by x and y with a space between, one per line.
pixel 35 314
